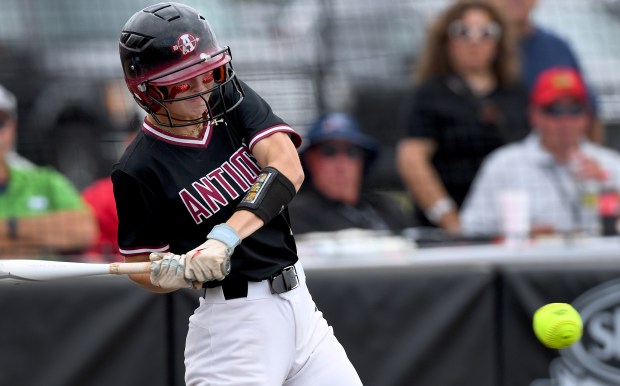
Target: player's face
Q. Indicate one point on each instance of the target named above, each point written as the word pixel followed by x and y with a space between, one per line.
pixel 473 39
pixel 337 168
pixel 562 124
pixel 192 107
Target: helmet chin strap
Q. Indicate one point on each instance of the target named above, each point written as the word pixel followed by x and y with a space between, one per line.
pixel 177 121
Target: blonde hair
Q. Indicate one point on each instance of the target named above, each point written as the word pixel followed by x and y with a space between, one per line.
pixel 435 61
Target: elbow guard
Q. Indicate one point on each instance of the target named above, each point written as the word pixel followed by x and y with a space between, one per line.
pixel 269 195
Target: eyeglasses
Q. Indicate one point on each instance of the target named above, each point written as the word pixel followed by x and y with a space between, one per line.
pixel 564 110
pixel 207 79
pixel 491 31
pixel 331 150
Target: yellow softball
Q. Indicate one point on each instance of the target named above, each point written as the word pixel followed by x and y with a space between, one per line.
pixel 557 325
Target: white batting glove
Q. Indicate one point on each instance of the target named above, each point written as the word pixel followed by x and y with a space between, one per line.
pixel 211 260
pixel 168 271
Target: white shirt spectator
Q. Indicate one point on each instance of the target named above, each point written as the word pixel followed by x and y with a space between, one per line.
pixel 553 191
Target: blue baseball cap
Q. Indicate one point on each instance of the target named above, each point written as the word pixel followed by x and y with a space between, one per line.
pixel 340 126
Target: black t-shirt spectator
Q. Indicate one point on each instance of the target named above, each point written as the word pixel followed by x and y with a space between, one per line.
pixel 465 127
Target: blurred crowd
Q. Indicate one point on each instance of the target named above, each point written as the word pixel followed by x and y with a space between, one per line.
pixel 503 138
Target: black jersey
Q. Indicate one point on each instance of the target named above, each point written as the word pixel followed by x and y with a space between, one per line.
pixel 172 190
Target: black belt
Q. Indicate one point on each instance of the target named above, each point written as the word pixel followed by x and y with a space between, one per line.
pixel 281 282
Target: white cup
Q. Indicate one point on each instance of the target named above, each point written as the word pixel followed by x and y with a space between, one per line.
pixel 514 209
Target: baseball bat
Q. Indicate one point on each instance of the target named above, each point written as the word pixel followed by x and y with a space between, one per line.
pixel 44 270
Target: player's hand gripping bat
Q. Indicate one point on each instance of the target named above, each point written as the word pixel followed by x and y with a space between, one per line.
pixel 47 270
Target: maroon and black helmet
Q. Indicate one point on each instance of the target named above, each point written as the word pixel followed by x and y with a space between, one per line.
pixel 168 43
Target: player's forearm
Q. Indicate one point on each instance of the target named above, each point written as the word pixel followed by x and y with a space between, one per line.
pixel 63 230
pixel 245 223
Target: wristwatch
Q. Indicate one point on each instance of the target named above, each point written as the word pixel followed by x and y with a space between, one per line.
pixel 439 209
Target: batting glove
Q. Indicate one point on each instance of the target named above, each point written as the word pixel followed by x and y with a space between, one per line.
pixel 168 271
pixel 211 260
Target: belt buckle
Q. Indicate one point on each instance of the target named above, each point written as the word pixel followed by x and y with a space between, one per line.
pixel 284 281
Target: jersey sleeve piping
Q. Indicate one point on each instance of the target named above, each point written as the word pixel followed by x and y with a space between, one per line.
pixel 295 137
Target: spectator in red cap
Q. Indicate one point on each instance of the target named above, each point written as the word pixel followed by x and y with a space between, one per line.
pixel 553 165
pixel 541 48
pixel 336 159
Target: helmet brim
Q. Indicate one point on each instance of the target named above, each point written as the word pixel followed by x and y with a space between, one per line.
pixel 182 72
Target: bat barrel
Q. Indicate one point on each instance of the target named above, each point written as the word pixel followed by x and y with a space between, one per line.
pixel 34 270
pixel 42 270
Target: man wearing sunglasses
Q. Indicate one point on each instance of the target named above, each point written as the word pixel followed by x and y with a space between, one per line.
pixel 336 159
pixel 541 48
pixel 553 165
pixel 41 212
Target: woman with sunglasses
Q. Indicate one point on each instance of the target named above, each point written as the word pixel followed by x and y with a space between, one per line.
pixel 467 101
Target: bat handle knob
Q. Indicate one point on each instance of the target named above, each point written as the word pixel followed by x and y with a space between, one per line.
pixel 226 266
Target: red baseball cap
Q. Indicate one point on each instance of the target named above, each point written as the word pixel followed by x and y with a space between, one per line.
pixel 557 83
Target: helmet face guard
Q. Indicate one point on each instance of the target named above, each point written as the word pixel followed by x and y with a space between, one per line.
pixel 216 102
pixel 167 44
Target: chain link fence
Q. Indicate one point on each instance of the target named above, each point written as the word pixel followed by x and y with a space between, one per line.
pixel 60 57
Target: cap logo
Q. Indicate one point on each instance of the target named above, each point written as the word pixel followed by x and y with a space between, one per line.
pixel 335 124
pixel 186 43
pixel 562 81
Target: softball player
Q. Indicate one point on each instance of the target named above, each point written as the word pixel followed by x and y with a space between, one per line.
pixel 206 180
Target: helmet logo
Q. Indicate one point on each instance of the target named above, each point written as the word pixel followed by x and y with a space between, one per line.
pixel 186 43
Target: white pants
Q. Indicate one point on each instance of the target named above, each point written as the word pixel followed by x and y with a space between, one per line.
pixel 264 339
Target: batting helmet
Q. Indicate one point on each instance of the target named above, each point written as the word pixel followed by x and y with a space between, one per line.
pixel 168 43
